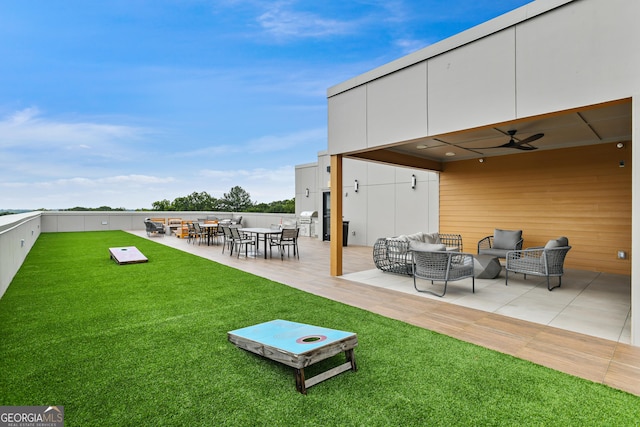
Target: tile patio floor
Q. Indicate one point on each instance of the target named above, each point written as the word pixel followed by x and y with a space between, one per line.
pixel 596 304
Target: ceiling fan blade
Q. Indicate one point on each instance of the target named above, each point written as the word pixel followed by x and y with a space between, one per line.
pixel 530 139
pixel 521 145
pixel 510 144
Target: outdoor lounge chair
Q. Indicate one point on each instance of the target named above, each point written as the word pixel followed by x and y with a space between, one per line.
pixel 544 261
pixel 442 266
pixel 501 242
pixel 154 228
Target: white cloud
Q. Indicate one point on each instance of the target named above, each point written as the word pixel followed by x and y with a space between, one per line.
pixel 125 180
pixel 410 45
pixel 28 129
pixel 264 185
pixel 264 144
pixel 23 116
pixel 281 174
pixel 275 143
pixel 35 148
pixel 128 191
pixel 285 23
pixel 52 164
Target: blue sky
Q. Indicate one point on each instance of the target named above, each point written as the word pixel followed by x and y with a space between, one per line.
pixel 126 102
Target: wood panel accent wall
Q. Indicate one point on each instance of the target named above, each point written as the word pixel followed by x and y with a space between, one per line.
pixel 581 193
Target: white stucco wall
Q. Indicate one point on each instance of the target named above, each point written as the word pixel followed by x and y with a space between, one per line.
pixel 545 57
pixel 384 205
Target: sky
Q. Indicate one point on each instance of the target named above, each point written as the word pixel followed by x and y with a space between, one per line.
pixel 122 103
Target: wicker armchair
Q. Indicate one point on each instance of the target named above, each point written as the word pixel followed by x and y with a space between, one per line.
pixel 442 266
pixel 545 261
pixel 501 242
pixel 394 255
pixel 154 228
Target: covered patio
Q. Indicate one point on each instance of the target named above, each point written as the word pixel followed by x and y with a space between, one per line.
pixel 527 125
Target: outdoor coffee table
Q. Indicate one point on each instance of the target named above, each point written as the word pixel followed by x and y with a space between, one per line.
pixel 486 266
pixel 298 345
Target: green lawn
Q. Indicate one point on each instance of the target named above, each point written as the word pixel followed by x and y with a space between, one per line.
pixel 146 344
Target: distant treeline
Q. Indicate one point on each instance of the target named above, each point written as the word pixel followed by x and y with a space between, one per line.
pixel 236 200
pixel 101 208
pixel 9 212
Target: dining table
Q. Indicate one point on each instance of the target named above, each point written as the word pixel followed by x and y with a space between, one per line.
pixel 211 230
pixel 266 232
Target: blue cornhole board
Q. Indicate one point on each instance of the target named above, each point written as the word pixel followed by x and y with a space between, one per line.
pixel 298 345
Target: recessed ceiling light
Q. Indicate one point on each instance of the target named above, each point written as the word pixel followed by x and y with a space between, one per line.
pixel 449 154
pixel 421 147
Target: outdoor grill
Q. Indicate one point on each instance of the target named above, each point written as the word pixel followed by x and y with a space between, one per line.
pixel 307 223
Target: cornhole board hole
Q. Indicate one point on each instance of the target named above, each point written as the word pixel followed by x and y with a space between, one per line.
pixel 298 345
pixel 127 255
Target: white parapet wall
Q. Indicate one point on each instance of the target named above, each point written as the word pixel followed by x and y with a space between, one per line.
pixel 18 234
pixel 64 221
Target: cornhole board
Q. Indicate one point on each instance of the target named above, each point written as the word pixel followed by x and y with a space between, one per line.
pixel 127 255
pixel 298 345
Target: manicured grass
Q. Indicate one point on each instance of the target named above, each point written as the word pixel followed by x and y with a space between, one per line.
pixel 146 344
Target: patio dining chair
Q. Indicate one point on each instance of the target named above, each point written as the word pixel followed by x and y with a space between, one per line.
pixel 191 232
pixel 219 234
pixel 199 232
pixel 227 238
pixel 239 240
pixel 274 239
pixel 287 239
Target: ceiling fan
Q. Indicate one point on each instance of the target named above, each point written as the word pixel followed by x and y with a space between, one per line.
pixel 523 144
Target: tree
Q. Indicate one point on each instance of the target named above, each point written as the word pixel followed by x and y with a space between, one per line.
pixel 281 206
pixel 100 209
pixel 162 205
pixel 196 202
pixel 236 200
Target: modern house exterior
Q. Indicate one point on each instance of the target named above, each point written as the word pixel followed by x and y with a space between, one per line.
pixel 524 122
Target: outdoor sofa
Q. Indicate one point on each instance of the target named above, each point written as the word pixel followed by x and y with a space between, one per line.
pixel 393 254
